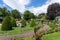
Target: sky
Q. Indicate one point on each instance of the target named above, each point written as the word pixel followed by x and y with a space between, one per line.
pixel 34 6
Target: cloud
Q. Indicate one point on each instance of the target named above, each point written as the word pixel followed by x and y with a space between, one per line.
pixel 21 5
pixel 17 4
pixel 43 8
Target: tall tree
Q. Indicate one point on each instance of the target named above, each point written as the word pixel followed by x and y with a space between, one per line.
pixel 4 11
pixel 28 15
pixel 16 14
pixel 52 10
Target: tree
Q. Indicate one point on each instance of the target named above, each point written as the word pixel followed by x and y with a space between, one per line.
pixel 16 14
pixel 1 17
pixel 52 11
pixel 4 12
pixel 23 23
pixel 42 15
pixel 13 22
pixel 0 13
pixel 28 15
pixel 32 15
pixel 6 24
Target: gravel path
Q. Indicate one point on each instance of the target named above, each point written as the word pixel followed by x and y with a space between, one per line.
pixel 30 33
pixel 18 35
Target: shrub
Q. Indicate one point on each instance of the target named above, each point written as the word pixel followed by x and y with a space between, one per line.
pixel 13 22
pixel 52 25
pixel 23 23
pixel 36 28
pixel 37 35
pixel 32 23
pixel 6 24
pixel 50 31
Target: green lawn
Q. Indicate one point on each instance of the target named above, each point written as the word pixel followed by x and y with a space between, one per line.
pixel 53 36
pixel 17 30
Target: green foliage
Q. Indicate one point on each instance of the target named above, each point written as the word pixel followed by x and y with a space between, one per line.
pixel 32 15
pixel 52 25
pixel 36 28
pixel 6 24
pixel 28 15
pixel 23 23
pixel 53 11
pixel 4 11
pixel 16 14
pixel 41 15
pixel 50 31
pixel 0 13
pixel 13 22
pixel 32 23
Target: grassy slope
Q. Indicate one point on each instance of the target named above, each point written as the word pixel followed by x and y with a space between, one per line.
pixel 53 36
pixel 17 30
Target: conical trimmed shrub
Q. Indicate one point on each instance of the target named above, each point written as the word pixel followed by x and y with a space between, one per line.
pixel 6 24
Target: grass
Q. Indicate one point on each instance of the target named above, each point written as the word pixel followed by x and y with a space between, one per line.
pixel 27 38
pixel 17 30
pixel 53 36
